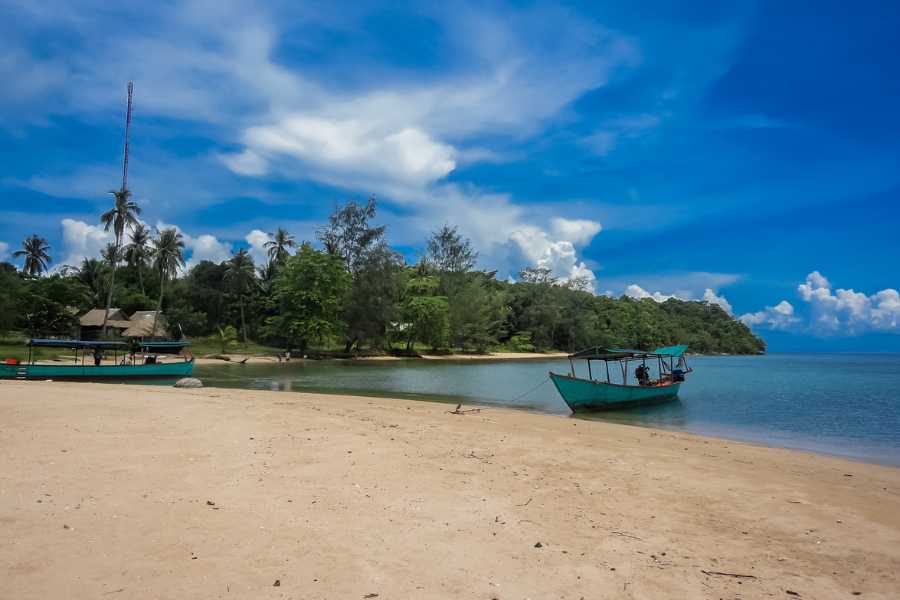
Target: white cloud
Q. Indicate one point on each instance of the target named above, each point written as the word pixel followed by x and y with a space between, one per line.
pixel 207 247
pixel 202 247
pixel 214 66
pixel 638 293
pixel 558 255
pixel 338 151
pixel 709 295
pixel 833 311
pixel 577 231
pixel 679 284
pixel 247 162
pixel 846 311
pixel 258 251
pixel 780 316
pixel 81 241
pixel 4 249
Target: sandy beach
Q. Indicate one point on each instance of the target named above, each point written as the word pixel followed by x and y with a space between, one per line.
pixel 112 491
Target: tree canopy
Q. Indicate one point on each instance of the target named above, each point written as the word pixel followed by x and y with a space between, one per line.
pixel 358 294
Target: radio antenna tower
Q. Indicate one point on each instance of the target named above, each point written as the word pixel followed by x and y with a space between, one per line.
pixel 127 129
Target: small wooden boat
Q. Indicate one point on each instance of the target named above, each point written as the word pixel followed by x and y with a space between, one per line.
pixel 139 360
pixel 615 391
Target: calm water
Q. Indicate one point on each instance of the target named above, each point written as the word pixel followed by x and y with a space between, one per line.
pixel 843 404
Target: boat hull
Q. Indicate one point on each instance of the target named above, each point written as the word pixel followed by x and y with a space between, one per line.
pixel 90 372
pixel 585 395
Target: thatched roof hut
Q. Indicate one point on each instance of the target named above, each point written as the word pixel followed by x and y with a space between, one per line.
pixel 94 318
pixel 141 325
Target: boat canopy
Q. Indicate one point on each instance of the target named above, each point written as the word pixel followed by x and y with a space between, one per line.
pixel 75 344
pixel 675 351
pixel 615 354
pixel 106 344
pixel 164 344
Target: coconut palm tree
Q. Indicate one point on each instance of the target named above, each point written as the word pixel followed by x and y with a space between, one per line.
pixel 92 273
pixel 123 214
pixel 168 255
pixel 34 249
pixel 137 252
pixel 240 273
pixel 278 246
pixel 110 254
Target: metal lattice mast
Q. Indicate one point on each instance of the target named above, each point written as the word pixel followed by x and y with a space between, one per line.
pixel 127 129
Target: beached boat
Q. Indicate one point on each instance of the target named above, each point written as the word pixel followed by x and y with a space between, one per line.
pixel 138 360
pixel 613 389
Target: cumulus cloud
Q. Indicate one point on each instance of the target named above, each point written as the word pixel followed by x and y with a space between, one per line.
pixel 680 284
pixel 638 293
pixel 558 255
pixel 217 68
pixel 202 247
pixel 846 311
pixel 257 240
pixel 81 240
pixel 709 295
pixel 780 316
pixel 577 231
pixel 833 311
pixel 4 250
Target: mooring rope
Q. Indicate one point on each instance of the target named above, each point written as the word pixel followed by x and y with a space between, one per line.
pixel 520 396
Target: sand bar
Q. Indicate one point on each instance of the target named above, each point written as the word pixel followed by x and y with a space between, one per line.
pixel 110 491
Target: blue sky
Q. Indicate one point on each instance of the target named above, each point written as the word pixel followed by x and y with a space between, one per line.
pixel 746 152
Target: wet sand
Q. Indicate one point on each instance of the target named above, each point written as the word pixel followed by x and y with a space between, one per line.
pixel 151 492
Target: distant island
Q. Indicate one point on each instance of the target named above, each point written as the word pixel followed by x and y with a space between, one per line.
pixel 356 295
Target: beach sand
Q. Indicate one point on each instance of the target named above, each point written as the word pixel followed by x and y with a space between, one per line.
pixel 113 491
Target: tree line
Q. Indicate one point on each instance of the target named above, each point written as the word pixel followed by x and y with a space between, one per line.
pixel 353 293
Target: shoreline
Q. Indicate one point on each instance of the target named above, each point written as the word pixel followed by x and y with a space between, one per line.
pixel 153 491
pixel 236 358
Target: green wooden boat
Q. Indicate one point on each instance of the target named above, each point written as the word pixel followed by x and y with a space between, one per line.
pixel 140 360
pixel 612 390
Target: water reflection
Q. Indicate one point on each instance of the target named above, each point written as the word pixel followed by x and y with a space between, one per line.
pixel 829 403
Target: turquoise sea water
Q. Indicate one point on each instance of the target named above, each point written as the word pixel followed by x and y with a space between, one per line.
pixel 842 404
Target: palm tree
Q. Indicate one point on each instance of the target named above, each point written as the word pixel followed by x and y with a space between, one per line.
pixel 239 272
pixel 279 244
pixel 34 249
pixel 123 214
pixel 91 274
pixel 137 253
pixel 110 254
pixel 168 255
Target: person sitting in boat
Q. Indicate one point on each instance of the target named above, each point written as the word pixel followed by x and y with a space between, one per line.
pixel 642 374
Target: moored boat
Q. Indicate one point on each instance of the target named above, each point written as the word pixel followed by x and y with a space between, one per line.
pixel 139 360
pixel 613 390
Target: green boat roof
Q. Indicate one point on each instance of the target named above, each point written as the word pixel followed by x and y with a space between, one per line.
pixel 601 353
pixel 101 344
pixel 671 350
pixel 47 343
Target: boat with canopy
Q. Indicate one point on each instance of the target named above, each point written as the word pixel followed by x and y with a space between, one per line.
pixel 91 360
pixel 609 387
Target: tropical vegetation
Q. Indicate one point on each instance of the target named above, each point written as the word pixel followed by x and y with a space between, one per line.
pixel 351 293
